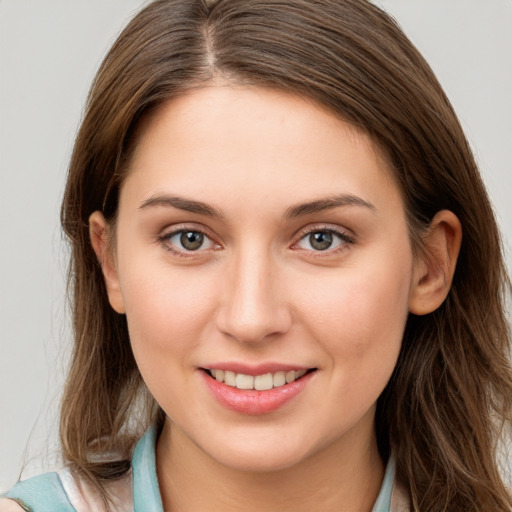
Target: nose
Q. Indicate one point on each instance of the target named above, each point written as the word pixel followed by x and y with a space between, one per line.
pixel 253 304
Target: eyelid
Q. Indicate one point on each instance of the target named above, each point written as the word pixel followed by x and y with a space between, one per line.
pixel 345 235
pixel 171 231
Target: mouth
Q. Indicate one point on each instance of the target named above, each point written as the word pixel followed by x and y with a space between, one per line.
pixel 257 391
pixel 263 382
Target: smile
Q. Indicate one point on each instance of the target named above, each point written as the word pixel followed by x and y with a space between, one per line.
pixel 262 382
pixel 261 393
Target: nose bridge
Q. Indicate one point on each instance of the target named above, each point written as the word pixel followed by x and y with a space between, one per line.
pixel 253 305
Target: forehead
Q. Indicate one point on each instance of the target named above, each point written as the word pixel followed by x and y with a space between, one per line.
pixel 247 139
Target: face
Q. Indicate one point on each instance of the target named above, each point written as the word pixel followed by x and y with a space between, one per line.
pixel 263 261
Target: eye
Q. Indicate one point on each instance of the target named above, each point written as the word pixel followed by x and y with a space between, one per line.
pixel 186 240
pixel 323 240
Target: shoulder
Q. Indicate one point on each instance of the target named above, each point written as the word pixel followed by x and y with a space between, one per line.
pixel 85 497
pixel 45 491
pixel 7 505
pixel 65 492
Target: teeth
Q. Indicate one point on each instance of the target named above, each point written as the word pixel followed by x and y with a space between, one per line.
pixel 260 382
pixel 279 379
pixel 263 382
pixel 244 381
pixel 230 379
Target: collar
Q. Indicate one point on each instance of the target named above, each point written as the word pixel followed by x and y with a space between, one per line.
pixel 146 493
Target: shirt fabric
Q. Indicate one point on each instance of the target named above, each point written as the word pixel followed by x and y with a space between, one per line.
pixel 138 490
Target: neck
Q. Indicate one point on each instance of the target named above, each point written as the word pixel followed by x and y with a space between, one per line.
pixel 346 476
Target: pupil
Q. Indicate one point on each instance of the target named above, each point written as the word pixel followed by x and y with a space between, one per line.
pixel 320 240
pixel 191 240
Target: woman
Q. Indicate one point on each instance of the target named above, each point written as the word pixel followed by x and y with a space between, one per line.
pixel 285 266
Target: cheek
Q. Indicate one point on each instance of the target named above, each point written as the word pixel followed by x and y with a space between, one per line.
pixel 166 311
pixel 166 314
pixel 359 315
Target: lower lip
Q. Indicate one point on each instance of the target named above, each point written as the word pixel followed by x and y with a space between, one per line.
pixel 254 402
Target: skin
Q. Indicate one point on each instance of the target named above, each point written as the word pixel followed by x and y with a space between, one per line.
pixel 257 291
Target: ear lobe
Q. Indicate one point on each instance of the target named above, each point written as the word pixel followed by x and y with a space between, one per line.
pixel 435 266
pixel 98 233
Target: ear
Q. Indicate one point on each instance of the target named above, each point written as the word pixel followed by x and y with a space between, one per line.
pixel 435 266
pixel 98 232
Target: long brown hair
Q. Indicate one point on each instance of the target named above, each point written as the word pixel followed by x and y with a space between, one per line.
pixel 449 399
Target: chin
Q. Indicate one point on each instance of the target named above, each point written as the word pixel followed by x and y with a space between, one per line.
pixel 255 461
pixel 262 450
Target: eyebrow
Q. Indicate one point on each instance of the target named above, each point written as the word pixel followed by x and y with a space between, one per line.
pixel 319 205
pixel 181 203
pixel 328 203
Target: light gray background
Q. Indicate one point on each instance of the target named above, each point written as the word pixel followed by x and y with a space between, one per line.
pixel 49 51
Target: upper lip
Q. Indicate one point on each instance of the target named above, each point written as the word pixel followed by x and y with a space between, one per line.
pixel 257 369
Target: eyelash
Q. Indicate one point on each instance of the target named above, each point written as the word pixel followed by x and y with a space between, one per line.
pixel 165 239
pixel 343 237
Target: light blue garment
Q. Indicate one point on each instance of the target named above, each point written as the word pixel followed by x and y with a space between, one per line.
pixel 383 502
pixel 45 493
pixel 146 494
